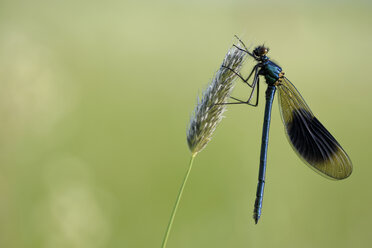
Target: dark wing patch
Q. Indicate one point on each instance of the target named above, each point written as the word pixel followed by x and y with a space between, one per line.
pixel 309 138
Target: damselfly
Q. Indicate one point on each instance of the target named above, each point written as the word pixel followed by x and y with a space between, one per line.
pixel 308 137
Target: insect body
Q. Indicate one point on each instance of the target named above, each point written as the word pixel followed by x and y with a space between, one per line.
pixel 308 137
pixel 272 72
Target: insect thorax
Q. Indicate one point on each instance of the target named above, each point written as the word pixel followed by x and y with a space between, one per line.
pixel 271 72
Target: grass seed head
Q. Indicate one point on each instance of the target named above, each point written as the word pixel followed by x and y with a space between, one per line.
pixel 209 111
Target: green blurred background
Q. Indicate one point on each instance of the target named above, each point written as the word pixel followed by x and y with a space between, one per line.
pixel 95 99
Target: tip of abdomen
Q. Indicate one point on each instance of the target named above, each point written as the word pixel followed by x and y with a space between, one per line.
pixel 256 217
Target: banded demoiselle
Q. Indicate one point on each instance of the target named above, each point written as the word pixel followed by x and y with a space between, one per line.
pixel 309 138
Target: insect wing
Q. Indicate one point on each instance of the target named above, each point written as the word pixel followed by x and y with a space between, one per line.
pixel 309 138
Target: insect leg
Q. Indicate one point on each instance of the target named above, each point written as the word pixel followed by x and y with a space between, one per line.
pixel 245 47
pixel 257 95
pixel 255 82
pixel 238 101
pixel 241 42
pixel 255 69
pixel 246 51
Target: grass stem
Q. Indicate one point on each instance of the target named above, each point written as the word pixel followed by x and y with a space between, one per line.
pixel 180 192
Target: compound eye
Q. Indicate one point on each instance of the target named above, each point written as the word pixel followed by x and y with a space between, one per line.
pixel 264 50
pixel 261 51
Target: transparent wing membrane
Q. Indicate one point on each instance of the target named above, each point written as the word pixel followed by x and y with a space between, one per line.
pixel 309 138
